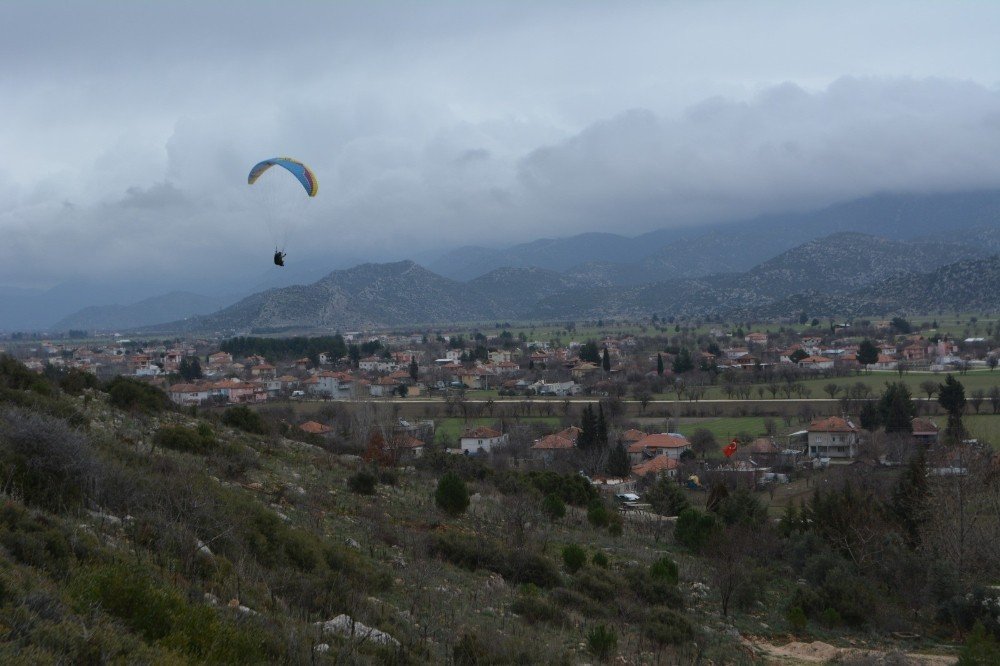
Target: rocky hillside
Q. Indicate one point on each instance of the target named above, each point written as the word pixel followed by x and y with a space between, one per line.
pixel 846 261
pixel 965 286
pixel 840 274
pixel 369 295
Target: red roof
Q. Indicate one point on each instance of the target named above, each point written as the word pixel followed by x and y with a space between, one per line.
pixel 409 442
pixel 661 440
pixel 832 424
pixel 632 435
pixel 481 432
pixel 655 466
pixel 553 442
pixel 187 388
pixel 571 433
pixel 314 428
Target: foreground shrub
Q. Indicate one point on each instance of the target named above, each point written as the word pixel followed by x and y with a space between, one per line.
pixel 602 641
pixel 572 489
pixel 187 440
pixel 668 627
pixel 660 591
pixel 600 560
pixel 553 507
pixel 574 557
pixel 136 396
pixel 362 482
pixel 797 619
pixel 664 569
pixel 451 495
pixel 598 514
pixel 159 614
pixel 531 606
pixel 694 529
pixel 515 565
pixel 470 651
pixel 245 419
pixel 49 463
pixel 667 498
pixel 599 584
pixel 980 649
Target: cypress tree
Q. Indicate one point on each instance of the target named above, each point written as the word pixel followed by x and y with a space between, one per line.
pixel 951 396
pixel 601 431
pixel 659 364
pixel 606 361
pixel 618 461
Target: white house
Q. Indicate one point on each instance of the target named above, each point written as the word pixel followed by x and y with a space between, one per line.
pixel 832 437
pixel 482 440
pixel 188 394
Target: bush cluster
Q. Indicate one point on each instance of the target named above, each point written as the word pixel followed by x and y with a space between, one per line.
pixel 245 419
pixel 189 440
pixel 515 565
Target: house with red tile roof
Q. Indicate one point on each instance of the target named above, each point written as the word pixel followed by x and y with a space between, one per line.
pixel 631 436
pixel 816 363
pixel 189 394
pixel 657 466
pixel 552 447
pixel 482 440
pixel 925 431
pixel 832 437
pixel 408 446
pixel 667 444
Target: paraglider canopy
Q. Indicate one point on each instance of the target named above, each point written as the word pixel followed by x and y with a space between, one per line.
pixel 278 194
pixel 301 172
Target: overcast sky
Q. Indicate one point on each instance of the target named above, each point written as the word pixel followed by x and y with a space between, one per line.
pixel 127 128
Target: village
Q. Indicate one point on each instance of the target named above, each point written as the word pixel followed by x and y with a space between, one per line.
pixel 474 394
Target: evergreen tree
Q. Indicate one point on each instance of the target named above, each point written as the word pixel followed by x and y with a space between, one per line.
pixel 896 408
pixel 414 369
pixel 867 353
pixel 910 498
pixel 951 396
pixel 451 495
pixel 659 364
pixel 606 361
pixel 869 416
pixel 683 362
pixel 601 430
pixel 667 498
pixel 588 429
pixel 590 353
pixel 618 464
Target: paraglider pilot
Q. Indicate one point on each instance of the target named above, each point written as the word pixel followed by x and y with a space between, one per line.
pixel 279 258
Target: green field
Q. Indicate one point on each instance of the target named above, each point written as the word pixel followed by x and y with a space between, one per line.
pixel 876 381
pixel 452 428
pixel 984 427
pixel 725 429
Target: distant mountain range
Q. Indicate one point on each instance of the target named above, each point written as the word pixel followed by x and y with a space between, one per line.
pixel 842 274
pixel 169 307
pixel 735 246
pixel 717 268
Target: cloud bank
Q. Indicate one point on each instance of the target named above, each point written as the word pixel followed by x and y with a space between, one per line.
pixel 129 132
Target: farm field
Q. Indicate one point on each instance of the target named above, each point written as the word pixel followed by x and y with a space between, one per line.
pixel 450 429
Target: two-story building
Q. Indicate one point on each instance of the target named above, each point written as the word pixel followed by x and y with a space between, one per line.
pixel 482 440
pixel 832 437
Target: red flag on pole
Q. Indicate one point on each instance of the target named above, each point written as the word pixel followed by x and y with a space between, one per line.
pixel 731 449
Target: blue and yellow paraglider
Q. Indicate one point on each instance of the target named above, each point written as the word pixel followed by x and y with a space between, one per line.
pixel 281 205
